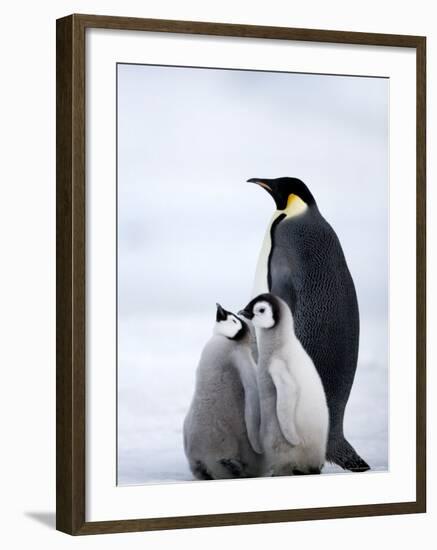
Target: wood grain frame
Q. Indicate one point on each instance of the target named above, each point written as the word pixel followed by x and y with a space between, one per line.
pixel 71 283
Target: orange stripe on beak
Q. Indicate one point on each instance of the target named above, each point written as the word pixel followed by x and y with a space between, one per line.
pixel 262 184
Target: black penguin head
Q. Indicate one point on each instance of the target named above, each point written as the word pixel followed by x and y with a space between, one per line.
pixel 229 325
pixel 221 315
pixel 263 311
pixel 282 189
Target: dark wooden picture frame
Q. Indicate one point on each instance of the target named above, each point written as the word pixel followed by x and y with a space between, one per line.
pixel 71 283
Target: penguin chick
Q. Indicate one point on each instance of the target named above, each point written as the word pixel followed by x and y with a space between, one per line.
pixel 294 413
pixel 221 429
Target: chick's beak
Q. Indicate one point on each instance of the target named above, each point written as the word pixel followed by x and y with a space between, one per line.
pixel 221 313
pixel 246 313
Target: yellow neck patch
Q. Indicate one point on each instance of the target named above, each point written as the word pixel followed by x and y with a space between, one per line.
pixel 295 206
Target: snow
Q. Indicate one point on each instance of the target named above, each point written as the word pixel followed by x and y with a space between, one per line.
pixel 155 391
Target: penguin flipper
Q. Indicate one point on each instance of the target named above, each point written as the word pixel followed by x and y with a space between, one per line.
pixel 287 394
pixel 252 416
pixel 252 419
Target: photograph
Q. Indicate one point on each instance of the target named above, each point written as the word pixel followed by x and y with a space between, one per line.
pixel 252 274
pixel 217 275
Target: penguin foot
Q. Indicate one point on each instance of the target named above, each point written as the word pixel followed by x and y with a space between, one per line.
pixel 200 471
pixel 235 467
pixel 342 453
pixel 310 471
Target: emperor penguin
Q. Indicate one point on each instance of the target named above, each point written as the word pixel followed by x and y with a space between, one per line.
pixel 294 413
pixel 302 262
pixel 221 429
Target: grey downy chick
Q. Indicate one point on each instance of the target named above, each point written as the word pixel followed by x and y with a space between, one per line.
pixel 221 429
pixel 294 412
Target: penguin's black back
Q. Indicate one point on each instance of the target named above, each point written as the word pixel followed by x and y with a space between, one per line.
pixel 308 270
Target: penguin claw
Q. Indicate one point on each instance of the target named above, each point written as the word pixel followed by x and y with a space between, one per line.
pixel 344 455
pixel 234 467
pixel 358 465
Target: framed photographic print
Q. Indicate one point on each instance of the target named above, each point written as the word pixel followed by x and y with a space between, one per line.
pixel 240 274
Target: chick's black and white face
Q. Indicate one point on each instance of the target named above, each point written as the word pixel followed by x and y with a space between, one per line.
pixel 229 327
pixel 227 324
pixel 263 315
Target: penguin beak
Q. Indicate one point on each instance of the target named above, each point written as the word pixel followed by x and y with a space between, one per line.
pixel 221 314
pixel 246 313
pixel 260 183
pixel 272 189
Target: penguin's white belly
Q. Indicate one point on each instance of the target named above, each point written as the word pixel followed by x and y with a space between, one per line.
pixel 295 207
pixel 295 409
pixel 261 275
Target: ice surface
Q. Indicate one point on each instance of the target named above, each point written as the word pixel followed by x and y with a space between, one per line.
pixel 155 393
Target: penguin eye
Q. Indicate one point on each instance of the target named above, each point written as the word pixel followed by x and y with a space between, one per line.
pixel 261 310
pixel 234 321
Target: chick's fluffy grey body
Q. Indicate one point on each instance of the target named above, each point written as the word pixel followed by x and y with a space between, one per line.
pixel 284 367
pixel 216 439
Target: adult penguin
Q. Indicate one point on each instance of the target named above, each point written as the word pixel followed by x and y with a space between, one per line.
pixel 302 262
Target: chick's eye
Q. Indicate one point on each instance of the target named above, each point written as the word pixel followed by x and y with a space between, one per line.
pixel 261 310
pixel 234 321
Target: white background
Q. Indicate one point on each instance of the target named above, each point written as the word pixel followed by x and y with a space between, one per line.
pixel 28 245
